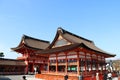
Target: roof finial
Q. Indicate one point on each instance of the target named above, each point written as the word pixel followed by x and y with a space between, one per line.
pixel 60 29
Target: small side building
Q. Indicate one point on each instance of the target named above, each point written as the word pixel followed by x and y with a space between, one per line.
pixel 11 66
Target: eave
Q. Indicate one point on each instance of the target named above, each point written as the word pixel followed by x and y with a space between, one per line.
pixel 24 47
pixel 58 49
pixel 71 47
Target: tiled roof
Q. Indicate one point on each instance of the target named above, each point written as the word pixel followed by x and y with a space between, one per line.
pixel 75 39
pixel 58 49
pixel 11 62
pixel 45 47
pixel 32 43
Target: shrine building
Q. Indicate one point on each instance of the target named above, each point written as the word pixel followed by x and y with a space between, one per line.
pixel 11 66
pixel 68 54
pixel 27 47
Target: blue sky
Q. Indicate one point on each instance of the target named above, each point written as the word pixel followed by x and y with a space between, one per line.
pixel 97 20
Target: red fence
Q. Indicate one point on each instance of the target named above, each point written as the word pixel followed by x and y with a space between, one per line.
pixel 61 77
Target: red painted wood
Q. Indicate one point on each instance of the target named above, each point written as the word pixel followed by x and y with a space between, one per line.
pixel 61 77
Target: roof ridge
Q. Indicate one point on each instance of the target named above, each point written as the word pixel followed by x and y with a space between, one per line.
pixel 65 31
pixel 29 37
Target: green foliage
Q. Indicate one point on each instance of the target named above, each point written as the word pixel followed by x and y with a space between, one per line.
pixel 1 54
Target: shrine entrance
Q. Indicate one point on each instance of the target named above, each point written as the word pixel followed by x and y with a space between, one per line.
pixel 30 67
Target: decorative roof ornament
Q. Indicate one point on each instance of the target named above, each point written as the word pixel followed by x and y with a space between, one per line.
pixel 60 29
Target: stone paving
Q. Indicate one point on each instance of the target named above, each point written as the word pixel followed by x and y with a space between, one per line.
pixel 18 77
pixel 115 78
pixel 28 77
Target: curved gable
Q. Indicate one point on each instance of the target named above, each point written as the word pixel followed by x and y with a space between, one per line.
pixel 61 42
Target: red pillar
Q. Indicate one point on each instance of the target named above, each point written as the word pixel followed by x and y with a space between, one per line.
pixel 104 63
pixel 56 63
pixel 33 65
pixel 97 63
pixel 78 63
pixel 48 65
pixel 91 62
pixel 101 65
pixel 26 69
pixel 66 66
pixel 85 63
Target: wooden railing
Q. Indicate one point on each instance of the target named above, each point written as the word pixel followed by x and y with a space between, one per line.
pixel 59 73
pixel 71 75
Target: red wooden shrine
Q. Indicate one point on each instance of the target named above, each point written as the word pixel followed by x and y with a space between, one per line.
pixel 27 47
pixel 68 54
